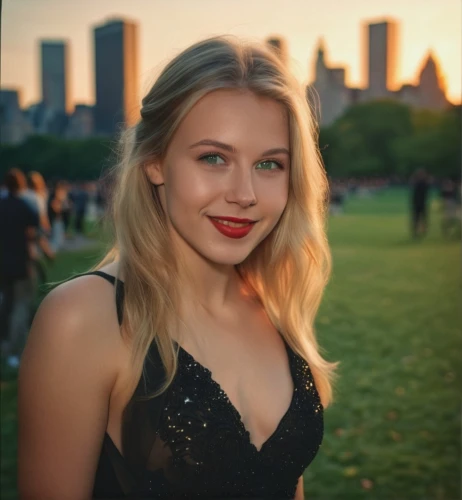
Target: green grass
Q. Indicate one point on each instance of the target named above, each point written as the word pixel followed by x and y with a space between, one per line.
pixel 390 316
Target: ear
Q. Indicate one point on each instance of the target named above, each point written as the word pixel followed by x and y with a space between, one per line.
pixel 154 172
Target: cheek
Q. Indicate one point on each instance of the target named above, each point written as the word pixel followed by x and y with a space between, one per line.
pixel 274 197
pixel 188 188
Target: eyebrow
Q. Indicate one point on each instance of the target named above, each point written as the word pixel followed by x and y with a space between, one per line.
pixel 231 149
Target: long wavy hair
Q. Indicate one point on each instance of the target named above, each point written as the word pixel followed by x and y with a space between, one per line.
pixel 288 270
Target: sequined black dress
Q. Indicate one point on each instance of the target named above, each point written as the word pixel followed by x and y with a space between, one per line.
pixel 190 442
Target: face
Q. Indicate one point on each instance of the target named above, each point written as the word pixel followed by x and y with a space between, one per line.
pixel 229 158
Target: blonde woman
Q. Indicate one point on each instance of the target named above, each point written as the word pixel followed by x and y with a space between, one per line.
pixel 187 366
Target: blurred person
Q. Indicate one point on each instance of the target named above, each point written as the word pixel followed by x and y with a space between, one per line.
pixel 38 186
pixel 67 208
pixel 420 187
pixel 337 198
pixel 80 198
pixel 198 325
pixel 18 225
pixel 103 195
pixel 92 213
pixel 37 197
pixel 450 196
pixel 58 210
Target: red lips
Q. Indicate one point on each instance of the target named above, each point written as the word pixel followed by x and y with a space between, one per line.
pixel 233 232
pixel 231 219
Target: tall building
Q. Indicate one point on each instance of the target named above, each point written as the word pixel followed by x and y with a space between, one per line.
pixel 431 85
pixel 14 127
pixel 55 75
pixel 328 94
pixel 280 46
pixel 80 123
pixel 382 58
pixel 429 92
pixel 116 75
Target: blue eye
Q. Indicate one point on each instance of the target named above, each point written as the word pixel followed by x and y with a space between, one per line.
pixel 212 159
pixel 269 165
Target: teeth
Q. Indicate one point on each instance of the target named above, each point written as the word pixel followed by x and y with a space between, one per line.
pixel 232 224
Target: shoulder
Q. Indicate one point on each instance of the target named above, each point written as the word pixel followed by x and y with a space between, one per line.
pixel 80 318
pixel 68 372
pixel 27 207
pixel 30 199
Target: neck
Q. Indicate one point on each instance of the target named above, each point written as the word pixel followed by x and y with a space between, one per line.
pixel 214 287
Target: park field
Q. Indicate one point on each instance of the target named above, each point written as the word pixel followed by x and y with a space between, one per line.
pixel 391 317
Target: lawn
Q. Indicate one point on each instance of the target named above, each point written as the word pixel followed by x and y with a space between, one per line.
pixel 390 316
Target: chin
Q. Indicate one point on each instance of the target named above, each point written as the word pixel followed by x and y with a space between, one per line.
pixel 228 257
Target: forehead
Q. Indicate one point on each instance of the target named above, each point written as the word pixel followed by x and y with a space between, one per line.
pixel 238 117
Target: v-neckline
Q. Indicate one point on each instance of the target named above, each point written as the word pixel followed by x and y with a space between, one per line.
pixel 233 408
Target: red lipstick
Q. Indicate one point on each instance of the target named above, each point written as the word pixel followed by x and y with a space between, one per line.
pixel 231 219
pixel 233 232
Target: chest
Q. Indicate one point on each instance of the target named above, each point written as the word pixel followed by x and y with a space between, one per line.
pixel 195 439
pixel 248 362
pixel 201 438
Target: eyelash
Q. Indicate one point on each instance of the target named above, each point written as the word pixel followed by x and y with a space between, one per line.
pixel 278 163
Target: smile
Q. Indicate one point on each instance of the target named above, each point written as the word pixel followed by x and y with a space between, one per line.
pixel 232 229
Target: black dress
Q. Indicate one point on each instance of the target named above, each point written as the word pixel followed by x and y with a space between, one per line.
pixel 190 442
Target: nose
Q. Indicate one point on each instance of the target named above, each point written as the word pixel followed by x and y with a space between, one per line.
pixel 241 189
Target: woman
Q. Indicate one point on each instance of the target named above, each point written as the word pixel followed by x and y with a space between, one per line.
pixel 37 197
pixel 58 209
pixel 38 187
pixel 219 262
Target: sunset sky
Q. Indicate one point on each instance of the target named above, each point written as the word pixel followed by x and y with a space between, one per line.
pixel 168 26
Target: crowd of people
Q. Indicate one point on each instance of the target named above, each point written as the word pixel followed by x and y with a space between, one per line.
pixel 422 187
pixel 449 199
pixel 36 222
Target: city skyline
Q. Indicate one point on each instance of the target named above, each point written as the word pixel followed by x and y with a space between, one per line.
pixel 301 42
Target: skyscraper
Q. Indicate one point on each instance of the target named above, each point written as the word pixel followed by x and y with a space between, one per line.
pixel 431 85
pixel 13 126
pixel 280 47
pixel 382 58
pixel 328 94
pixel 55 75
pixel 116 75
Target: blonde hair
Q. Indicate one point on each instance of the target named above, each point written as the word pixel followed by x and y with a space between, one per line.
pixel 288 270
pixel 37 182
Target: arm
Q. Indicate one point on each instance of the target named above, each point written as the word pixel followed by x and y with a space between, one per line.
pixel 66 377
pixel 299 492
pixel 32 224
pixel 44 245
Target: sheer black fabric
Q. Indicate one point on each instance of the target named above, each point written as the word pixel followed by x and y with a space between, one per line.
pixel 190 442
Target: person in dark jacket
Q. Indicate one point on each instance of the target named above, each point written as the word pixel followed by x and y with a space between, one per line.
pixel 18 225
pixel 420 187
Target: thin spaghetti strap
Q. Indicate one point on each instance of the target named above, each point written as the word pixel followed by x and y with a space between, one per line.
pixel 104 275
pixel 119 291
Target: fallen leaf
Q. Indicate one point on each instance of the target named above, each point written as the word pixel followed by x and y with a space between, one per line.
pixel 396 436
pixel 407 360
pixel 367 484
pixel 350 471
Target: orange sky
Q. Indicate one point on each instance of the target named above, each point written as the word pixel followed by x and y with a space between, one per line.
pixel 168 26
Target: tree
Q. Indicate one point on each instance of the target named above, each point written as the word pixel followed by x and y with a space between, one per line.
pixel 58 159
pixel 387 138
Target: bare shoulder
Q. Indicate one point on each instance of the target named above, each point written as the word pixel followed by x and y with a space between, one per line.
pixel 68 370
pixel 77 308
